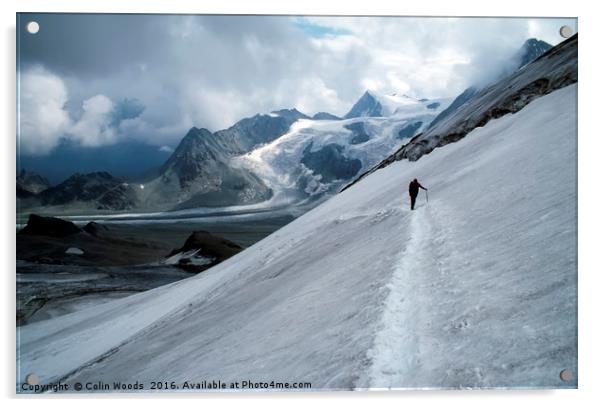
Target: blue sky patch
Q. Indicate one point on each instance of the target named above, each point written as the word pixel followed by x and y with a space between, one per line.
pixel 317 30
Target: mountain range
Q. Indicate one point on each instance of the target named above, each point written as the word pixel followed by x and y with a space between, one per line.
pixel 281 158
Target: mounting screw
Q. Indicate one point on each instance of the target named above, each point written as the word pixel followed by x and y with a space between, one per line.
pixel 32 27
pixel 566 375
pixel 566 31
pixel 32 379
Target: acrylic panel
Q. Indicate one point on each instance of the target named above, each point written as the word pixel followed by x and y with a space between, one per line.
pixel 295 203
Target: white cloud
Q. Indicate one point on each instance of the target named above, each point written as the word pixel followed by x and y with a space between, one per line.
pixel 93 128
pixel 44 121
pixel 42 118
pixel 166 149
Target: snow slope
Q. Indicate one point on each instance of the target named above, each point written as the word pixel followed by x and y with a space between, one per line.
pixel 282 165
pixel 477 288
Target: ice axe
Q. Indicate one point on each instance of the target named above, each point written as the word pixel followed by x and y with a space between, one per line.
pixel 426 191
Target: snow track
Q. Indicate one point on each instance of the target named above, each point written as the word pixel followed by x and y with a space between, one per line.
pixel 396 352
pixel 395 348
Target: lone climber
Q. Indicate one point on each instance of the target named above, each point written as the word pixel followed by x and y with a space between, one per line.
pixel 414 185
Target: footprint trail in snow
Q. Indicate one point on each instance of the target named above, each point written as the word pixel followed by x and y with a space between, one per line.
pixel 397 345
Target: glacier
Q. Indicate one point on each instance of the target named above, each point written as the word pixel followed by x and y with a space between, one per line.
pixel 362 140
pixel 475 289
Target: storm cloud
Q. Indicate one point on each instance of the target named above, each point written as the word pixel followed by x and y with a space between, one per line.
pixel 103 79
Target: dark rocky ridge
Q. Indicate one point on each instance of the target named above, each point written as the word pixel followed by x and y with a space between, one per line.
pixel 31 183
pixel 99 188
pixel 455 105
pixel 359 132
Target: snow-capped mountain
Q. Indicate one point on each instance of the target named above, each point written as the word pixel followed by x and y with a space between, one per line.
pixel 476 288
pixel 316 157
pixel 199 174
pixel 373 104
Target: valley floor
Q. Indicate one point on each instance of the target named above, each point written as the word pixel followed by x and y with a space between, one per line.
pixel 130 257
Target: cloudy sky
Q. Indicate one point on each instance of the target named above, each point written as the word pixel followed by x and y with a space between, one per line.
pixel 100 80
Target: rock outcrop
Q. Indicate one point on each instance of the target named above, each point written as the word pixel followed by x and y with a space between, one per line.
pixel 49 226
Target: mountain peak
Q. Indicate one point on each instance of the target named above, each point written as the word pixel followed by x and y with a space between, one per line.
pixel 291 114
pixel 374 104
pixel 369 93
pixel 531 50
pixel 325 116
pixel 366 106
pixel 197 131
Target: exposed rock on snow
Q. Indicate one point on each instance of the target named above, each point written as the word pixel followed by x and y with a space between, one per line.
pixel 330 163
pixel 201 251
pixel 359 132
